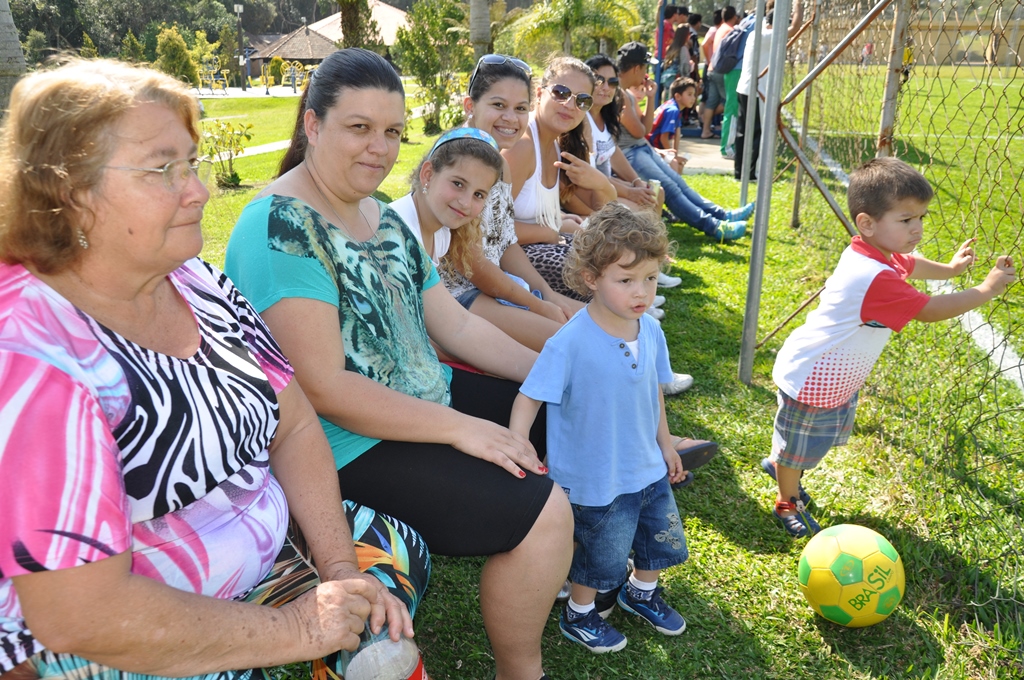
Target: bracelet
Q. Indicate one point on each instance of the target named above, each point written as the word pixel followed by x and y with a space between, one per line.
pixel 638 179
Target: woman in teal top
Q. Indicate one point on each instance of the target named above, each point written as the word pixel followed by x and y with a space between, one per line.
pixel 354 303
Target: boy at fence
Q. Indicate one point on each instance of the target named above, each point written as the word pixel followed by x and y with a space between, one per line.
pixel 668 117
pixel 608 442
pixel 824 363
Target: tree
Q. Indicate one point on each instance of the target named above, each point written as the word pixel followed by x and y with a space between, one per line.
pixel 589 18
pixel 36 47
pixel 479 27
pixel 173 57
pixel 210 16
pixel 11 56
pixel 202 50
pixel 227 55
pixel 434 53
pixel 131 49
pixel 358 27
pixel 88 49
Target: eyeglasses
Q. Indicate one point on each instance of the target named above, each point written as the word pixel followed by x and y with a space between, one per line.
pixel 176 174
pixel 494 60
pixel 601 80
pixel 562 94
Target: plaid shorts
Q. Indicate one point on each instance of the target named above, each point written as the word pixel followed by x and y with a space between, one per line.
pixel 804 434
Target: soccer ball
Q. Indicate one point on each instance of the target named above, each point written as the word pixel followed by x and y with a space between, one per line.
pixel 851 575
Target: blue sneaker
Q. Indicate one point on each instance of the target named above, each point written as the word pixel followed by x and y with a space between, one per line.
pixel 740 214
pixel 591 631
pixel 654 611
pixel 729 231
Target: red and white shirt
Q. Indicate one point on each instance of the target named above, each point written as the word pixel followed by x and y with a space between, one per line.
pixel 825 361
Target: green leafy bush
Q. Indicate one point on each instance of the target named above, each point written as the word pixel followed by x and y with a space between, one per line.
pixel 222 141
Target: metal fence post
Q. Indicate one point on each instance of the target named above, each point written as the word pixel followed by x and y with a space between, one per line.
pixel 812 54
pixel 752 103
pixel 892 80
pixel 765 171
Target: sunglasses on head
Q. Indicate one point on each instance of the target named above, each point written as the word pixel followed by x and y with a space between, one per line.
pixel 562 94
pixel 494 60
pixel 601 80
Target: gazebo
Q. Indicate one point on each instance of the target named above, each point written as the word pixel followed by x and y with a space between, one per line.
pixel 303 45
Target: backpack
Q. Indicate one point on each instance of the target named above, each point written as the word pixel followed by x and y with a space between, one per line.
pixel 729 54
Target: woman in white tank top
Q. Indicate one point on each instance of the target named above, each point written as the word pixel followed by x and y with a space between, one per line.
pixel 545 175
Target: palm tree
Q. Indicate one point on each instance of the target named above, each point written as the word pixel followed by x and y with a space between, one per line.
pixel 12 59
pixel 479 27
pixel 589 18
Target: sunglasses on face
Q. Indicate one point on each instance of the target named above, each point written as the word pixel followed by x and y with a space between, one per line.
pixel 601 80
pixel 494 60
pixel 562 94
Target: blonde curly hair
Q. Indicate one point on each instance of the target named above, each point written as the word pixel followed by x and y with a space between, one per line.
pixel 613 231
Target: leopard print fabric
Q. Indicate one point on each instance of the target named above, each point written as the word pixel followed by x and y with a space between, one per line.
pixel 549 261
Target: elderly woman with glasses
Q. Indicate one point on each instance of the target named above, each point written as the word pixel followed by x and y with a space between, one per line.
pixel 550 164
pixel 144 403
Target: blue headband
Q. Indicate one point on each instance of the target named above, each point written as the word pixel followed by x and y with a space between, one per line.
pixel 464 133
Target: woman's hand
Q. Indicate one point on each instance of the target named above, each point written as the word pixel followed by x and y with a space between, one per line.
pixel 549 310
pixel 496 444
pixel 384 607
pixel 566 304
pixel 331 616
pixel 641 195
pixel 580 173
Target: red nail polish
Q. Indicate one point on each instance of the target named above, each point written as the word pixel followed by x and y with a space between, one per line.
pixel 522 474
pixel 543 470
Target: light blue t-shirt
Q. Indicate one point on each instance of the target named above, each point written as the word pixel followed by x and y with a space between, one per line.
pixel 603 408
pixel 283 248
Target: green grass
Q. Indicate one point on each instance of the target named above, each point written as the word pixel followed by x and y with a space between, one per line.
pixel 273 118
pixel 935 463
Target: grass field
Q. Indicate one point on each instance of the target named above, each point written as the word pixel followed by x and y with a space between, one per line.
pixel 935 464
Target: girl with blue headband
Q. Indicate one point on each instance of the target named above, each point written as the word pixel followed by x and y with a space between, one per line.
pixel 449 190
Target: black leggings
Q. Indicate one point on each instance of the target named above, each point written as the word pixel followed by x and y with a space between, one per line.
pixel 460 504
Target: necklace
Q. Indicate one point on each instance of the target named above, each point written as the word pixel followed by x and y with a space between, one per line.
pixel 366 249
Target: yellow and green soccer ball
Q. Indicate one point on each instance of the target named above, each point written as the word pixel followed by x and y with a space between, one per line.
pixel 851 575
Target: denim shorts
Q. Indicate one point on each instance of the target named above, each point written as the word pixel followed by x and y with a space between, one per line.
pixel 804 434
pixel 468 297
pixel 646 522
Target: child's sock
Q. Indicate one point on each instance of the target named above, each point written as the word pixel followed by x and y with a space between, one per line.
pixel 575 611
pixel 640 590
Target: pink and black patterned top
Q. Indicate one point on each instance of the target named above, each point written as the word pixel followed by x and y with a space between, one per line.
pixel 106 446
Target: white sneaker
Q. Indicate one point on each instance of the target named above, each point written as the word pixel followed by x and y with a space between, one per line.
pixel 666 281
pixel 659 300
pixel 658 314
pixel 680 383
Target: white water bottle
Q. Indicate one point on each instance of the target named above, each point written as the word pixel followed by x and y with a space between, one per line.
pixel 381 658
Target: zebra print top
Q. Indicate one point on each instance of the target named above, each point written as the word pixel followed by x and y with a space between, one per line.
pixel 107 446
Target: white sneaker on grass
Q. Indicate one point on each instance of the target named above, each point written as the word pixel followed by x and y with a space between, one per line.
pixel 666 281
pixel 658 314
pixel 680 383
pixel 659 300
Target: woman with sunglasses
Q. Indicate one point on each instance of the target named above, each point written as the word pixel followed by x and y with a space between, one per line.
pixel 550 163
pixel 604 130
pixel 354 302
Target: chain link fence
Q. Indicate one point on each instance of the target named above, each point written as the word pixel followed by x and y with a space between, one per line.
pixel 946 406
